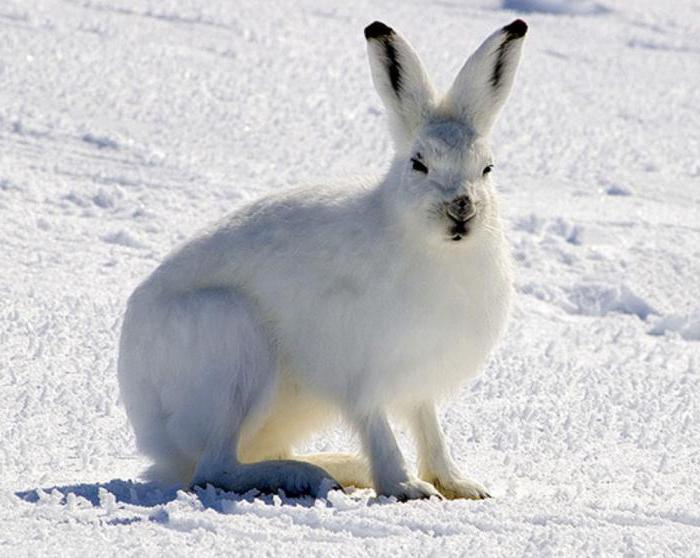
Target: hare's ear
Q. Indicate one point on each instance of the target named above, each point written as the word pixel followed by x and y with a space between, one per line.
pixel 483 83
pixel 400 80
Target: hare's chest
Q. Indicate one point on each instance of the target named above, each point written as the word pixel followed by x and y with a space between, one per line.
pixel 443 335
pixel 401 338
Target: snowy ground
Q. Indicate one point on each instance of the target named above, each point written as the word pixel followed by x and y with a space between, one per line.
pixel 126 126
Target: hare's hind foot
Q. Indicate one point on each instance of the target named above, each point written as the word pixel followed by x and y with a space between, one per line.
pixel 294 478
pixel 348 469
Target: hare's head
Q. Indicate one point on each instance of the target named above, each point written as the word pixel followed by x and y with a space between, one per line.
pixel 441 172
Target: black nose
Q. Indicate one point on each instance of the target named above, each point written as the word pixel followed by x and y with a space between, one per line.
pixel 461 208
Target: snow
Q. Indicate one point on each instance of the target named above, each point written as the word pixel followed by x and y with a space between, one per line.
pixel 127 126
pixel 558 7
pixel 687 325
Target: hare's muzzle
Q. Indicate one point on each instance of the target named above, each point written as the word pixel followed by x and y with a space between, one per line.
pixel 460 211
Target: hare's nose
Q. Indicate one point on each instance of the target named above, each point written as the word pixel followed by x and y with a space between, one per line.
pixel 461 208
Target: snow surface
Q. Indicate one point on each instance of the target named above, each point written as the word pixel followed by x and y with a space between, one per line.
pixel 127 126
pixel 559 7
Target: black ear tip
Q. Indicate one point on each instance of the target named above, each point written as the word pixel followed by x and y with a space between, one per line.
pixel 516 29
pixel 376 30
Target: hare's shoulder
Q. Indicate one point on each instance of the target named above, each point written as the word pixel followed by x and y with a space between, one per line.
pixel 312 214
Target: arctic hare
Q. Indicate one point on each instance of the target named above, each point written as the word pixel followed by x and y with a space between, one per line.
pixel 320 302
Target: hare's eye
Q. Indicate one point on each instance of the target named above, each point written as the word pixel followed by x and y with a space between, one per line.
pixel 488 169
pixel 419 167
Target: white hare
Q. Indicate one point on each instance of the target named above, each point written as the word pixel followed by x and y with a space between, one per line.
pixel 323 302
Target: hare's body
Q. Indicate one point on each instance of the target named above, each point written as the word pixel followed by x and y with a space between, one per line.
pixel 320 302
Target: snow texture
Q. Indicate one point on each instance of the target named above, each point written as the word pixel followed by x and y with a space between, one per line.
pixel 127 126
pixel 558 7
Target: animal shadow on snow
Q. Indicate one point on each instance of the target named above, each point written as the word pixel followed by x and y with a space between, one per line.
pixel 146 494
pixel 153 495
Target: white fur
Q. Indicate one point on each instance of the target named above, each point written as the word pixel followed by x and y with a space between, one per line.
pixel 328 301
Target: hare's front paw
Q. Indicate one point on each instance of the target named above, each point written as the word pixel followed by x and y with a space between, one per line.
pixel 412 489
pixel 461 488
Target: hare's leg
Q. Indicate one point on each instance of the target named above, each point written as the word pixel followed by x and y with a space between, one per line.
pixel 291 417
pixel 435 464
pixel 389 471
pixel 230 372
pixel 219 466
